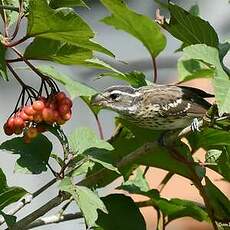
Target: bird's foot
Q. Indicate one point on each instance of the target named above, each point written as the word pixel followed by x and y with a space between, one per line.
pixel 195 125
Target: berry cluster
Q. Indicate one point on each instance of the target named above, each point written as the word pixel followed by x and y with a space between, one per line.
pixel 30 119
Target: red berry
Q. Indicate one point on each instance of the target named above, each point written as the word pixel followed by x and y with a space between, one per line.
pixel 47 115
pixel 10 123
pixel 19 122
pixel 38 117
pixel 29 110
pixel 24 116
pixel 38 105
pixel 60 96
pixel 63 109
pixel 8 131
pixel 67 116
pixel 18 130
pixel 66 101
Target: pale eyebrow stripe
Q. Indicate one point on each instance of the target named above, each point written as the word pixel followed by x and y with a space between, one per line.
pixel 124 93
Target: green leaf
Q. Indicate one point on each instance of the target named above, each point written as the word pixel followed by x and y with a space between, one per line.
pixel 66 3
pixel 57 51
pixel 194 10
pixel 138 185
pixel 63 53
pixel 192 69
pixel 224 49
pixel 122 213
pixel 134 78
pixel 74 88
pixel 209 138
pixel 212 155
pixel 62 24
pixel 190 29
pixel 9 195
pixel 84 138
pixel 33 156
pixel 83 169
pixel 220 204
pixel 3 72
pixel 10 220
pixel 102 157
pixel 187 208
pixel 86 199
pixel 140 26
pixel 220 161
pixel 221 82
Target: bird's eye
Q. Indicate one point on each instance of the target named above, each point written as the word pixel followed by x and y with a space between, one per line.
pixel 114 96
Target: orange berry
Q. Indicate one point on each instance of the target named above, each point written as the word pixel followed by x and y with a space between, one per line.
pixel 63 109
pixel 67 116
pixel 66 101
pixel 38 105
pixel 10 123
pixel 47 115
pixel 24 116
pixel 19 122
pixel 38 117
pixel 59 96
pixel 29 110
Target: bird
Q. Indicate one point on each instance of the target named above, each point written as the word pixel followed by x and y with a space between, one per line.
pixel 156 106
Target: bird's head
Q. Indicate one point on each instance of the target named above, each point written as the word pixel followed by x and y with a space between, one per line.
pixel 117 98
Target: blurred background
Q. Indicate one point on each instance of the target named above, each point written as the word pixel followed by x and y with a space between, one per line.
pixel 129 50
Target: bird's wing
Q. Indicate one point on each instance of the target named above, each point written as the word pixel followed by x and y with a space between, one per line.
pixel 175 101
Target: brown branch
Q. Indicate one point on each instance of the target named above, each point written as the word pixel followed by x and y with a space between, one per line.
pixel 54 219
pixel 27 199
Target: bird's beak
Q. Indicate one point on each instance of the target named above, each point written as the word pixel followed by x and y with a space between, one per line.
pixel 98 100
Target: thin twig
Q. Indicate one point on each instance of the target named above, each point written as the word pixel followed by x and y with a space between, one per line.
pixel 164 181
pixel 99 126
pixel 8 7
pixel 54 219
pixel 154 69
pixel 28 198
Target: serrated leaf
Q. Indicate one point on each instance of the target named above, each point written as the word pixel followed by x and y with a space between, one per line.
pixel 62 24
pixel 102 157
pixel 138 185
pixel 220 161
pixel 9 195
pixel 57 51
pixel 140 26
pixel 209 138
pixel 3 72
pixel 74 88
pixel 190 29
pixel 212 155
pixel 220 204
pixel 87 200
pixel 10 220
pixel 134 78
pixel 221 82
pixel 224 49
pixel 84 138
pixel 122 213
pixel 192 69
pixel 33 156
pixel 66 3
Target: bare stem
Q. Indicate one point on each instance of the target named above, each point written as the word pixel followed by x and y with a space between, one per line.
pixel 164 181
pixel 154 69
pixel 54 219
pixel 28 198
pixel 99 126
pixel 8 7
